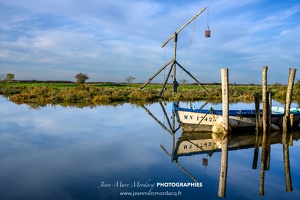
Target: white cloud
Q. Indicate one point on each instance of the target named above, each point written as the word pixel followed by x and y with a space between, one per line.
pixel 126 37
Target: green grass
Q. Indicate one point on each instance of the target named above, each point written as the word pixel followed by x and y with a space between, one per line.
pixel 90 94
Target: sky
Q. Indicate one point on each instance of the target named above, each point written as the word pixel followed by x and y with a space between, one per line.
pixel 111 40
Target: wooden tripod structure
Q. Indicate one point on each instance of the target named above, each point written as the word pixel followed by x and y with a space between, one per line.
pixel 174 62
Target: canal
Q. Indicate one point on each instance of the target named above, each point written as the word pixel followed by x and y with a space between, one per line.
pixel 127 152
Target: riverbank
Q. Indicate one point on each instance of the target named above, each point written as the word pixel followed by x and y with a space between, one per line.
pixel 89 94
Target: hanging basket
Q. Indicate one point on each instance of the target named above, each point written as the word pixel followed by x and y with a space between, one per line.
pixel 207 33
pixel 205 162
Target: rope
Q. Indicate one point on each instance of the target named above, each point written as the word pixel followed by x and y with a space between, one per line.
pixel 195 127
pixel 208 17
pixel 190 44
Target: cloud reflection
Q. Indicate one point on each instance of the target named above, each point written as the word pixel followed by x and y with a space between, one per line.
pixel 64 153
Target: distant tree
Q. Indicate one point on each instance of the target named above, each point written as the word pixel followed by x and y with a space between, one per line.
pixel 129 79
pixel 183 81
pixel 10 77
pixel 2 77
pixel 81 78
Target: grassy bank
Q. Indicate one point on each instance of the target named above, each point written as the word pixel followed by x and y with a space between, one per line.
pixel 90 94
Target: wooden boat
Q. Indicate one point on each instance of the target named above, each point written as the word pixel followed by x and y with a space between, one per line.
pixel 202 120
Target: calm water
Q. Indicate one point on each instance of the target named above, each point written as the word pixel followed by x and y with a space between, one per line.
pixel 72 153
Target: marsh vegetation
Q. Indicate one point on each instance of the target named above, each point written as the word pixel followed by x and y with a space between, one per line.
pixel 92 94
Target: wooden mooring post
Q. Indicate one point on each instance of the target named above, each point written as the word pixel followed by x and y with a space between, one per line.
pixel 287 123
pixel 265 130
pixel 257 113
pixel 265 101
pixel 225 111
pixel 257 131
pixel 286 131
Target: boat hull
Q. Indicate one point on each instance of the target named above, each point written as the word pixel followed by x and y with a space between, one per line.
pixel 202 122
pixel 208 120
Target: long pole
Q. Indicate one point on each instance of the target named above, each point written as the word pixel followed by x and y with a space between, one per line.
pixel 166 81
pixel 225 111
pixel 162 68
pixel 187 23
pixel 192 77
pixel 175 84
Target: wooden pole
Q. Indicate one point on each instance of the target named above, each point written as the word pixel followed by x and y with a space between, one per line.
pixel 166 81
pixel 286 119
pixel 225 111
pixel 162 68
pixel 266 123
pixel 175 35
pixel 269 96
pixel 187 23
pixel 257 112
pixel 265 130
pixel 286 126
pixel 265 100
pixel 257 131
pixel 175 84
pixel 188 73
pixel 269 121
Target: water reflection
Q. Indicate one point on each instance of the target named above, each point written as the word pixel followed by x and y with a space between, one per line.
pixel 66 153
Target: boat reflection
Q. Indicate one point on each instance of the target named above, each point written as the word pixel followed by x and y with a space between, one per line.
pixel 193 143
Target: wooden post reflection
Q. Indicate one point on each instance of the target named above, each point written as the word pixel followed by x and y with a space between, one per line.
pixel 288 180
pixel 257 131
pixel 262 167
pixel 286 142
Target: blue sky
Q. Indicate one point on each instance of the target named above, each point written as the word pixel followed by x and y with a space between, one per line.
pixel 110 40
